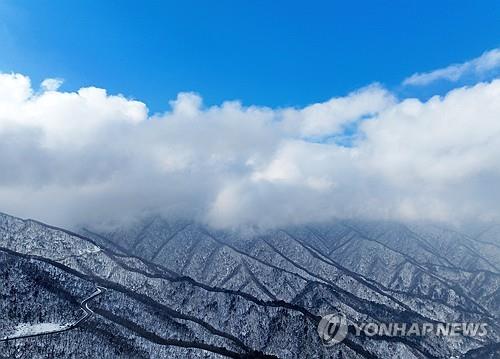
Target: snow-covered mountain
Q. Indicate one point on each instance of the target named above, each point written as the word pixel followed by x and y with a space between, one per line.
pixel 184 290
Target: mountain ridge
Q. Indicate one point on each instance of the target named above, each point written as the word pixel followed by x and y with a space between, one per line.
pixel 280 282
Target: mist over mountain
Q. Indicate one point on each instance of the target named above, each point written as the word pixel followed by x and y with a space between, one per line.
pixel 366 155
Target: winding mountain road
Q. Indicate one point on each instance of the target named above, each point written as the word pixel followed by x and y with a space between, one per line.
pixel 66 327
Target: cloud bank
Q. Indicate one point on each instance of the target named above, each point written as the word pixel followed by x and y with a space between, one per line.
pixel 480 66
pixel 89 157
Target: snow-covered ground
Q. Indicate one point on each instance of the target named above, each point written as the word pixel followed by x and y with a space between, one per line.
pixel 27 329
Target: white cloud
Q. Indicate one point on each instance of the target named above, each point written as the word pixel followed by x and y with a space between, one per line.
pixel 479 66
pixel 87 156
pixel 328 117
pixel 51 84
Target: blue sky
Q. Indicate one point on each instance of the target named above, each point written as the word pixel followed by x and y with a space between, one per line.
pixel 337 118
pixel 272 53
